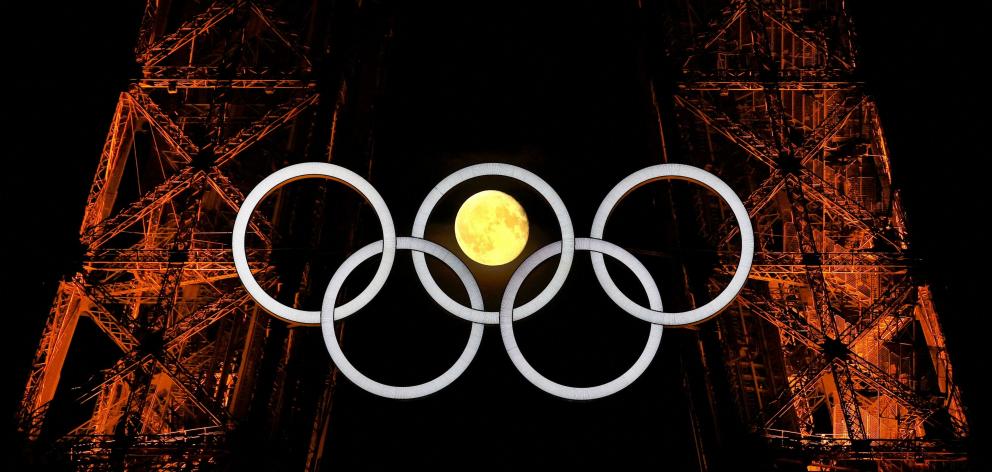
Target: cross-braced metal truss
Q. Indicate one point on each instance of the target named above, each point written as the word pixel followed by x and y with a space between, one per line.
pixel 834 349
pixel 225 95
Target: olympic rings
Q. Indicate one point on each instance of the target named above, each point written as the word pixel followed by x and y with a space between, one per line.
pixel 507 313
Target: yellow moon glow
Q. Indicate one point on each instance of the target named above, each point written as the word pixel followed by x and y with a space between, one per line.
pixel 491 228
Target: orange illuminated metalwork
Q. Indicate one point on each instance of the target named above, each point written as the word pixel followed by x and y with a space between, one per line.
pixel 157 276
pixel 825 352
pixel 822 347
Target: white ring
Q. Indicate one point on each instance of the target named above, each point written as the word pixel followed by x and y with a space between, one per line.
pixel 708 180
pixel 542 382
pixel 328 315
pixel 283 177
pixel 507 314
pixel 514 172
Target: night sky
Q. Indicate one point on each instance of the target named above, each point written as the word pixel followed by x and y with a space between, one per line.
pixel 556 85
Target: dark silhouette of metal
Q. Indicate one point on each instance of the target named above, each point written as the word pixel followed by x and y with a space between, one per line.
pixel 229 91
pixel 834 351
pixel 833 354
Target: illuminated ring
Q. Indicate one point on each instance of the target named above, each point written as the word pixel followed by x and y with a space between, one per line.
pixel 513 172
pixel 507 314
pixel 283 177
pixel 708 180
pixel 328 314
pixel 532 375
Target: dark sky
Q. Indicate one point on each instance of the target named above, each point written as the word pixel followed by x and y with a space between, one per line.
pixel 65 66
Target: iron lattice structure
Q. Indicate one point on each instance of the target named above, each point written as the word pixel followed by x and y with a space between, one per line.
pixel 228 91
pixel 833 351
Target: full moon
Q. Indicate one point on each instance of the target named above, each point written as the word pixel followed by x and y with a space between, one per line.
pixel 491 228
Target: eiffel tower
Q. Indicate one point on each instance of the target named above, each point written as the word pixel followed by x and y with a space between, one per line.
pixel 833 356
pixel 834 352
pixel 228 91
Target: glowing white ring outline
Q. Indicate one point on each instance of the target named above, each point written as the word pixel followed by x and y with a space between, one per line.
pixel 706 179
pixel 282 177
pixel 513 172
pixel 507 314
pixel 535 377
pixel 328 315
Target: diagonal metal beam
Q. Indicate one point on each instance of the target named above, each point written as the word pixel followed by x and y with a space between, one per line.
pixel 268 15
pixel 232 196
pixel 48 360
pixel 178 142
pixel 187 32
pixel 851 210
pixel 797 391
pixel 109 170
pixel 847 396
pixel 757 147
pixel 795 28
pixel 716 27
pixel 884 382
pixel 99 234
pixel 151 201
pixel 167 362
pixel 830 126
pixel 194 323
pixel 122 329
pixel 783 317
pixel 755 202
pixel 116 326
pixel 897 297
pixel 269 122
